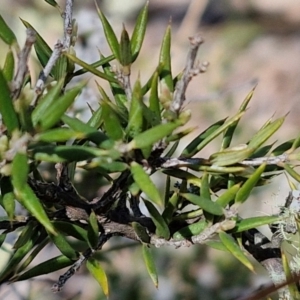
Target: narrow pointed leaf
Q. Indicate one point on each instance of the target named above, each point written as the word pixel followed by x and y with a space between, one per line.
pixel 71 229
pixel 228 196
pixel 25 235
pixel 112 123
pixel 141 232
pixel 235 250
pixel 228 134
pixel 145 183
pixel 90 132
pixel 181 174
pixel 135 124
pixel 192 147
pixel 171 207
pixel 229 157
pixel 6 34
pixel 9 66
pixel 58 135
pixel 59 107
pixel 63 245
pixel 46 267
pixel 190 230
pixel 291 172
pixel 46 101
pixel 96 64
pixel 206 204
pixel 17 256
pixel 244 192
pixel 154 103
pixel 7 111
pixel 139 32
pixel 93 230
pixel 7 198
pixel 99 274
pixel 110 35
pixel 165 60
pixel 254 222
pixel 265 133
pixel 125 51
pixel 24 193
pixel 150 265
pixel 152 135
pixel 52 3
pixel 90 68
pixel 162 229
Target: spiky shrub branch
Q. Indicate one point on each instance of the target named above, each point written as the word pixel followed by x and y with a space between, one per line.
pixel 132 134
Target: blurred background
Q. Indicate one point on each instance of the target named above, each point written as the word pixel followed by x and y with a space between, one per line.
pixel 247 43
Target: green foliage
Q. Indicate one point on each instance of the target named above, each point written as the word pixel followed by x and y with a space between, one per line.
pixel 128 138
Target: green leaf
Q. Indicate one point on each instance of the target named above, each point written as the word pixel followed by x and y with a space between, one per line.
pixel 218 245
pixel 125 52
pixel 230 156
pixel 254 222
pixel 206 204
pixel 7 199
pixel 6 34
pixel 90 68
pixel 25 235
pixel 190 230
pixel 24 193
pixel 244 192
pixel 99 274
pixel 235 250
pixel 141 232
pixel 112 123
pixel 46 267
pixel 58 135
pixel 265 133
pixel 144 182
pixel 96 64
pixel 109 34
pixel 139 32
pixel 7 111
pixel 46 101
pixel 150 265
pixel 192 147
pixel 63 246
pixel 135 124
pixel 152 135
pixel 18 255
pixel 71 230
pixel 9 66
pixel 228 196
pixel 90 132
pixel 20 169
pixel 154 103
pixel 52 2
pixel 291 171
pixel 59 107
pixel 228 134
pixel 165 60
pixel 171 207
pixel 162 229
pixel 93 231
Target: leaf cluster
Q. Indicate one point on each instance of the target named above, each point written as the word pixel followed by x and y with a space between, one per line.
pixel 132 134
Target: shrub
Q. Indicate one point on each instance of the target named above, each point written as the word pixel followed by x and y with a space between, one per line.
pixel 133 134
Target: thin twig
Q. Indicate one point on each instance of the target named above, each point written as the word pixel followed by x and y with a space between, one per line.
pixel 39 87
pixel 189 72
pixel 22 68
pixel 68 24
pixel 103 238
